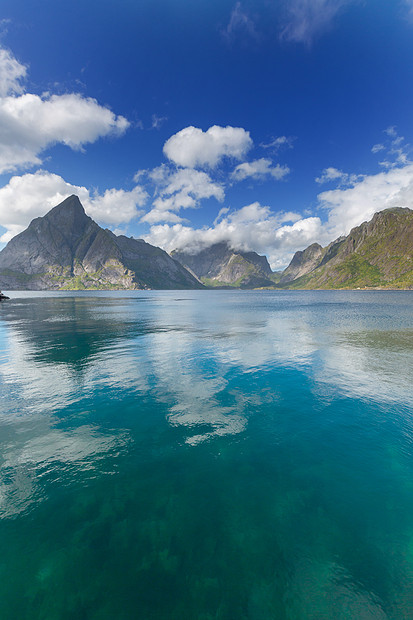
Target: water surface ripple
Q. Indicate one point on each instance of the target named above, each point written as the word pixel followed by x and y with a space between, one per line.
pixel 217 455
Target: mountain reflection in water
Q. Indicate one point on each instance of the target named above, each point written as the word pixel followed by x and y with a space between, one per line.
pixel 221 454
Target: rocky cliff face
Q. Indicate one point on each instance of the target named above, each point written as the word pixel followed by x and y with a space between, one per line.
pixel 303 262
pixel 219 265
pixel 66 249
pixel 378 253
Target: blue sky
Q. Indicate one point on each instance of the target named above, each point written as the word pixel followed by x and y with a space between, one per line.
pixel 271 124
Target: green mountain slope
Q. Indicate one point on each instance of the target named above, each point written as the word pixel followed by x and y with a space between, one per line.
pixel 378 253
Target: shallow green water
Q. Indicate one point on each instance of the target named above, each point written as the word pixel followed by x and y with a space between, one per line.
pixel 206 455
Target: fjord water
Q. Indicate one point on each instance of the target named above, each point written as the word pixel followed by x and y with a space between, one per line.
pixel 206 455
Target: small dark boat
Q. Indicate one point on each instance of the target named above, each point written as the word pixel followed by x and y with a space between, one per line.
pixel 3 296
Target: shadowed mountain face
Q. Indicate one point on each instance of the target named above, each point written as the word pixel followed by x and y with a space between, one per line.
pixel 303 262
pixel 378 253
pixel 219 265
pixel 66 249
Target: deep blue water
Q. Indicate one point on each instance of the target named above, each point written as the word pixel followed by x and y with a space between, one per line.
pixel 206 455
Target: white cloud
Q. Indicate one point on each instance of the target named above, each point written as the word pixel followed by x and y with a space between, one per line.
pixel 334 175
pixel 391 131
pixel 308 19
pixel 239 23
pixel 188 181
pixel 185 187
pixel 277 143
pixel 175 202
pixel 351 206
pixel 11 74
pixel 256 227
pixel 161 215
pixel 221 213
pixel 33 195
pixel 250 213
pixel 253 227
pixel 31 123
pixel 116 206
pixel 331 174
pixel 178 189
pixel 397 151
pixel 191 147
pixel 259 169
pixel 359 197
pixel 158 121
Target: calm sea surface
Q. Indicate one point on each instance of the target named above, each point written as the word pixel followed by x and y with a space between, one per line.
pixel 194 455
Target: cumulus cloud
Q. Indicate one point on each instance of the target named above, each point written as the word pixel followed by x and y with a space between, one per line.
pixel 358 197
pixel 253 227
pixel 12 72
pixel 334 175
pixel 308 19
pixel 192 148
pixel 177 189
pixel 353 205
pixel 154 216
pixel 331 174
pixel 256 227
pixel 259 169
pixel 187 181
pixel 116 206
pixel 396 155
pixel 33 195
pixel 30 123
pixel 221 213
pixel 184 187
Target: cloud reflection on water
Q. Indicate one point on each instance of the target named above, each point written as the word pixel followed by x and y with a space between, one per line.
pixel 43 451
pixel 192 357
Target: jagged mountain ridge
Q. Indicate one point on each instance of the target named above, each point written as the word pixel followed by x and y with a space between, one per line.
pixel 219 265
pixel 378 253
pixel 67 249
pixel 302 262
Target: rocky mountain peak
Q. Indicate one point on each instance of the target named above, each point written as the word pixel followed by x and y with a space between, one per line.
pixel 67 249
pixel 302 262
pixel 377 253
pixel 221 265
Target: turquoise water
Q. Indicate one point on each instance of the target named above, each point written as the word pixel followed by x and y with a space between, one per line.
pixel 206 455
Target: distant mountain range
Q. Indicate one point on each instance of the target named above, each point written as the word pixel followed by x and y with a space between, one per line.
pixel 66 249
pixel 376 254
pixel 220 266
